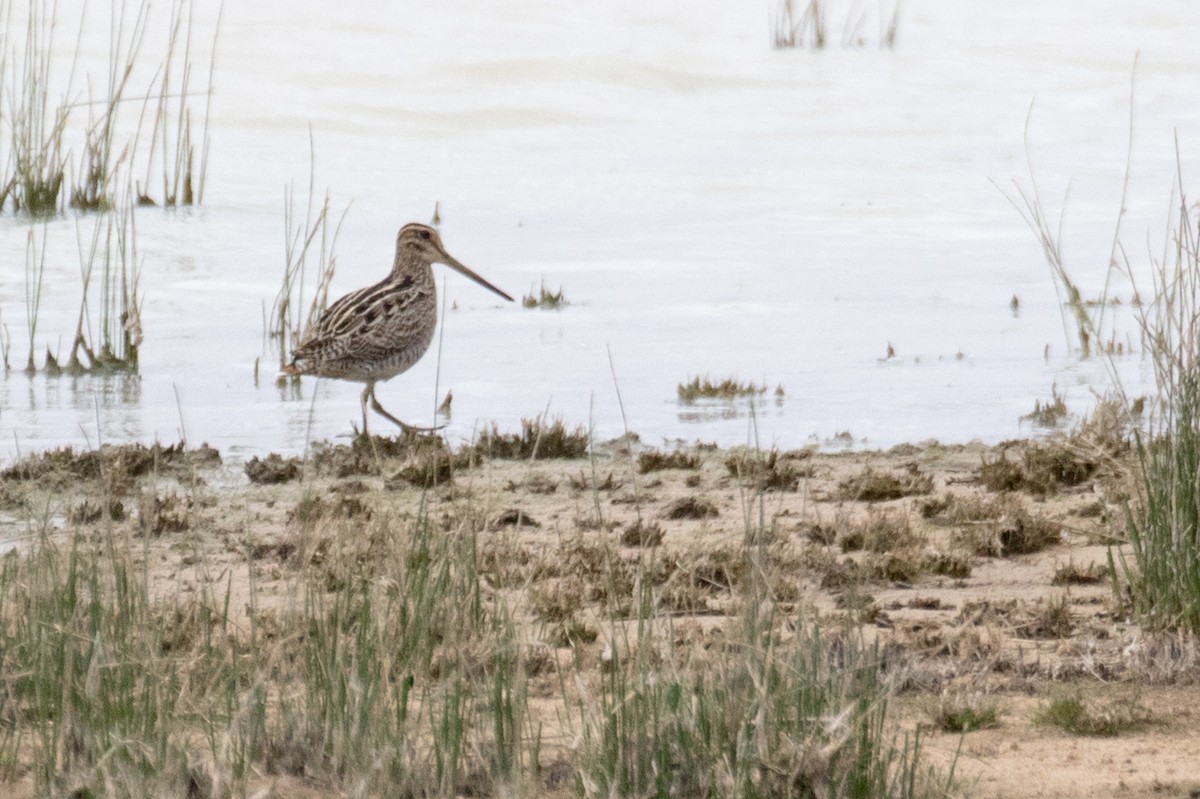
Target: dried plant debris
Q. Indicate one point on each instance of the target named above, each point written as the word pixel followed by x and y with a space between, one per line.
pixel 875 486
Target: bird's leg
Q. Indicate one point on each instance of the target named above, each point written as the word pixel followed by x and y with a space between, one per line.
pixel 369 391
pixel 407 428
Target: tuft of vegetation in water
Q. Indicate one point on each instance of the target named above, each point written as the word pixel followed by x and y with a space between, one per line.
pixel 309 244
pixel 1050 415
pixel 42 134
pixel 702 388
pixel 545 299
pixel 805 24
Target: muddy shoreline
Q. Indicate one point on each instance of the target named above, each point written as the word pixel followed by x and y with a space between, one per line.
pixel 985 571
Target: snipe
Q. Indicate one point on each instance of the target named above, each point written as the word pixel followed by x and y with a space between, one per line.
pixel 377 332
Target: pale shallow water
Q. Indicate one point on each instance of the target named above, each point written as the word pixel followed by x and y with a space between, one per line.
pixel 708 204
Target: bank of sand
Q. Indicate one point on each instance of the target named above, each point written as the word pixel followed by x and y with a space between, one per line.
pixel 986 566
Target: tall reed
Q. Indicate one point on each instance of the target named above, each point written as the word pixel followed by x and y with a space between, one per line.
pixel 42 130
pixel 1162 568
pixel 312 238
pixel 35 272
pixel 171 136
pixel 1164 521
pixel 111 341
pixel 100 158
pixel 36 128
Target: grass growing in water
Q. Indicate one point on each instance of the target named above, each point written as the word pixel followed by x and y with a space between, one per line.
pixel 42 133
pixel 546 300
pixel 701 388
pixel 114 345
pixel 806 25
pixel 285 325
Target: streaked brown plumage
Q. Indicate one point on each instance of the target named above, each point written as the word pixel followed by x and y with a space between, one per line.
pixel 378 332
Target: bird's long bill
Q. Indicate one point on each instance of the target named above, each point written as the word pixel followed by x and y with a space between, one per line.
pixel 451 262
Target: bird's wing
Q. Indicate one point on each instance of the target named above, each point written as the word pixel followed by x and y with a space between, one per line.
pixel 363 323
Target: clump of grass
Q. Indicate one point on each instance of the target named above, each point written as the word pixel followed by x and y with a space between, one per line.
pixel 39 130
pixel 1043 468
pixel 1050 618
pixel 691 508
pixel 546 300
pixel 874 486
pixel 1077 716
pixel 655 461
pixel 1164 576
pixel 414 457
pixel 642 534
pixel 703 388
pixel 1004 529
pixel 1162 569
pixel 965 712
pixel 36 147
pixel 881 532
pixel 115 344
pixel 1050 415
pixel 537 440
pixel 272 469
pixel 1071 573
pixel 770 471
pixel 806 25
pixel 795 719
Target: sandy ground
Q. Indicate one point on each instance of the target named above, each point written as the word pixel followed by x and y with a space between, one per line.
pixel 989 576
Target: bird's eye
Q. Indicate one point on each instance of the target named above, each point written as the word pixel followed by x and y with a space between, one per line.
pixel 425 234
